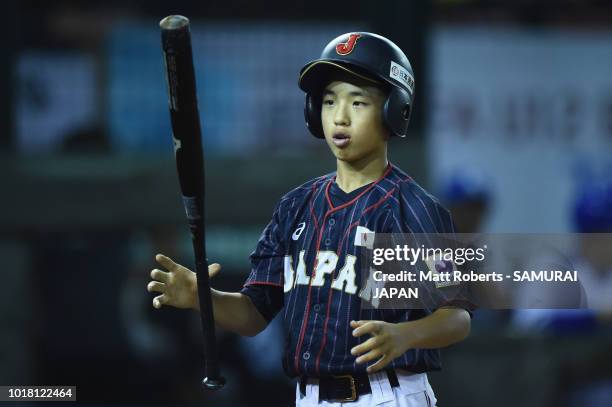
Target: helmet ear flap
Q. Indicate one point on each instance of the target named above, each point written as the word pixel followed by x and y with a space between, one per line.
pixel 397 111
pixel 312 115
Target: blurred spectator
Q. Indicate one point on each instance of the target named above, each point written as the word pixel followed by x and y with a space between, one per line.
pixel 593 215
pixel 592 257
pixel 586 381
pixel 469 199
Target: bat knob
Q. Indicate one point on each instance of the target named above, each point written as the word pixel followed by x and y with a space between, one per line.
pixel 174 22
pixel 213 383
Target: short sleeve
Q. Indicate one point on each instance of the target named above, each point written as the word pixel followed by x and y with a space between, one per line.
pixel 422 221
pixel 267 299
pixel 267 261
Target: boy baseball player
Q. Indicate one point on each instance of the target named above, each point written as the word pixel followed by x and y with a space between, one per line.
pixel 358 94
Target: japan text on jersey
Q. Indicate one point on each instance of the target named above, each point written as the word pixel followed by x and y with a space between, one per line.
pixel 310 250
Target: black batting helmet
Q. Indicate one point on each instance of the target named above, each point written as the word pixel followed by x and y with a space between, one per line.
pixel 370 57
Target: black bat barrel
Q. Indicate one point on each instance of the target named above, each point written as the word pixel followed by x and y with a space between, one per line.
pixel 183 104
pixel 186 134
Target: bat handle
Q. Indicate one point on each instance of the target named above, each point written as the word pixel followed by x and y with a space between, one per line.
pixel 213 379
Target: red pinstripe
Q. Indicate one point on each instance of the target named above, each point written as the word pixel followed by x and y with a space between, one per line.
pixel 320 234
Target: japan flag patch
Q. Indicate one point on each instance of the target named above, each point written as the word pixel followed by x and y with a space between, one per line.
pixel 364 237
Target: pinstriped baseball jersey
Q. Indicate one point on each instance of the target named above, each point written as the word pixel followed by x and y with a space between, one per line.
pixel 308 251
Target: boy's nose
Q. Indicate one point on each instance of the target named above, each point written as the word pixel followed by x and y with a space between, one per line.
pixel 341 117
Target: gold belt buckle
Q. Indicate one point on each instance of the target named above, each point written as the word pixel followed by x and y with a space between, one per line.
pixel 353 387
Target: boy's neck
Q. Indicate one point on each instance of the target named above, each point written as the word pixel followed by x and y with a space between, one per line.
pixel 350 176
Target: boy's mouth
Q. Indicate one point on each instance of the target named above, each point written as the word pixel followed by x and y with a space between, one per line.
pixel 341 140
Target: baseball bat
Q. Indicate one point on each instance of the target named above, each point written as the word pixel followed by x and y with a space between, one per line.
pixel 186 135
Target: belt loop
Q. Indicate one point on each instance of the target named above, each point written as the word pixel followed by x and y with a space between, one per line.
pixel 302 385
pixel 309 391
pixel 412 383
pixel 381 387
pixel 392 375
pixel 312 391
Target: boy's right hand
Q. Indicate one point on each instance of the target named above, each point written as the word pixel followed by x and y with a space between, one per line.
pixel 178 286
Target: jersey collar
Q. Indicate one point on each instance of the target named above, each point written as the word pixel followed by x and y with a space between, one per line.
pixel 355 199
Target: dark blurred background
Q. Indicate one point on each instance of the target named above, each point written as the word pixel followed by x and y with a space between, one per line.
pixel 512 129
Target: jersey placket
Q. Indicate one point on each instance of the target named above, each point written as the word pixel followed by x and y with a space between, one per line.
pixel 329 242
pixel 298 353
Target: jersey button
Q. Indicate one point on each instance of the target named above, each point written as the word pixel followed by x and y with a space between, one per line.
pixel 332 222
pixel 316 308
pixel 327 242
pixel 306 355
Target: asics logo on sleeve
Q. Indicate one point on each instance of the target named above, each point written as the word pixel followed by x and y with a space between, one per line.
pixel 298 231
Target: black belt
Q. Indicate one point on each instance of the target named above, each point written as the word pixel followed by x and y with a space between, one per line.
pixel 345 387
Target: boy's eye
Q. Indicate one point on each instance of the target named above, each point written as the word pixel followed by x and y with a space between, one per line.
pixel 359 103
pixel 328 102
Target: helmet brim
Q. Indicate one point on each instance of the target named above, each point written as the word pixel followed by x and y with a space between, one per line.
pixel 315 75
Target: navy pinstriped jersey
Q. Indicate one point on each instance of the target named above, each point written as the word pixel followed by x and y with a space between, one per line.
pixel 307 252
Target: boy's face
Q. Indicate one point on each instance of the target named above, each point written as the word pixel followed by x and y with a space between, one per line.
pixel 352 116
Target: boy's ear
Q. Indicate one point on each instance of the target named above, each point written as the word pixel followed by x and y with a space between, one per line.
pixel 312 114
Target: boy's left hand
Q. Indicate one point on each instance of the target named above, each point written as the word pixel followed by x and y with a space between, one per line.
pixel 386 343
